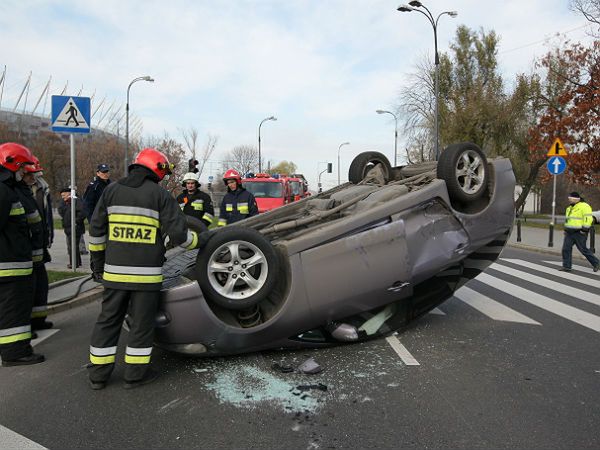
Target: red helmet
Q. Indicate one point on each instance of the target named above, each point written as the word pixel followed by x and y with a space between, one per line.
pixel 154 160
pixel 232 175
pixel 13 156
pixel 35 167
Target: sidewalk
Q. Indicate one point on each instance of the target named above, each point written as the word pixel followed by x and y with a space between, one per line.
pixel 536 239
pixel 60 257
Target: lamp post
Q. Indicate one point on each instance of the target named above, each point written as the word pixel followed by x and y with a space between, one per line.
pixel 380 111
pixel 339 148
pixel 144 78
pixel 259 156
pixel 414 5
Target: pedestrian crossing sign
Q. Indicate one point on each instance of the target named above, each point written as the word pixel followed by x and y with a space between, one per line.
pixel 70 114
pixel 557 149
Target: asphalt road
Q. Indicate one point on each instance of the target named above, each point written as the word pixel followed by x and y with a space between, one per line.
pixel 512 361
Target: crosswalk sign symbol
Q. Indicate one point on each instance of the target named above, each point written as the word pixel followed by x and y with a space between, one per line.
pixel 557 149
pixel 70 114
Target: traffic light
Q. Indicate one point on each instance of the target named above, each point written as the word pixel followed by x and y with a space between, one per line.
pixel 329 167
pixel 192 163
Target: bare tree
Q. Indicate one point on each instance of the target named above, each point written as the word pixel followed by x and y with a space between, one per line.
pixel 590 9
pixel 190 138
pixel 243 158
pixel 207 151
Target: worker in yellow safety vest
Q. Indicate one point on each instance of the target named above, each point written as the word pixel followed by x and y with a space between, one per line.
pixel 578 222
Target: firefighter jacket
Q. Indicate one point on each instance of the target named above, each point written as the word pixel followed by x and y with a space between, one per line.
pixel 198 205
pixel 237 205
pixel 128 228
pixel 15 241
pixel 34 221
pixel 578 217
pixel 92 195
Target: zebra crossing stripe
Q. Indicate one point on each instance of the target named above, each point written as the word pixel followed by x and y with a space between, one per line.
pixel 437 312
pixel 402 351
pixel 10 439
pixel 545 282
pixel 591 281
pixel 592 278
pixel 583 318
pixel 491 308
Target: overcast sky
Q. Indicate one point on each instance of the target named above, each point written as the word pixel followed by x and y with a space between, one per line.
pixel 322 67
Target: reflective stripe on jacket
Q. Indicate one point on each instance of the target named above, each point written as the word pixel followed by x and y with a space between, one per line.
pixel 579 216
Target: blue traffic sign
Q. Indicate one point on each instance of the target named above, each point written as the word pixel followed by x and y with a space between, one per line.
pixel 556 165
pixel 70 114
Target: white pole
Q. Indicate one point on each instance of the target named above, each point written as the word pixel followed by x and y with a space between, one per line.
pixel 74 244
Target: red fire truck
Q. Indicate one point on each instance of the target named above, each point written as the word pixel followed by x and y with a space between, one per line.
pixel 273 191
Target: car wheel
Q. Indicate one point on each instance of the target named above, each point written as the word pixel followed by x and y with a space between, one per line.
pixel 237 268
pixel 365 162
pixel 464 168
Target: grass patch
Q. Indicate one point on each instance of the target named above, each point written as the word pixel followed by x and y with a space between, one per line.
pixel 546 226
pixel 57 224
pixel 57 275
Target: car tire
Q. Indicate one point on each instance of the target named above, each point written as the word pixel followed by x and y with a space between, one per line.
pixel 224 278
pixel 365 162
pixel 465 170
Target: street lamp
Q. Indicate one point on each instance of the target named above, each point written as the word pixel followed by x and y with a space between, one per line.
pixel 144 78
pixel 413 6
pixel 339 148
pixel 380 111
pixel 259 160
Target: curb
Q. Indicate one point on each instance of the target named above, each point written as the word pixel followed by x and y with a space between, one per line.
pixel 545 251
pixel 83 299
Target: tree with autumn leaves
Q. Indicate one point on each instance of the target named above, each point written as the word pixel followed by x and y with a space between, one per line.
pixel 569 101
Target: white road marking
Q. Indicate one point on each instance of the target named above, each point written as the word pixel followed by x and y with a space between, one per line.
pixel 577 267
pixel 592 282
pixel 437 312
pixel 545 282
pixel 10 439
pixel 402 352
pixel 43 335
pixel 583 318
pixel 491 308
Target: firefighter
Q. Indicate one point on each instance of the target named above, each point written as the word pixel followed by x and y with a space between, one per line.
pixel 578 222
pixel 36 218
pixel 16 264
pixel 193 201
pixel 127 249
pixel 238 204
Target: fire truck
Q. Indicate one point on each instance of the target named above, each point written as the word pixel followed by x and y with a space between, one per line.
pixel 273 191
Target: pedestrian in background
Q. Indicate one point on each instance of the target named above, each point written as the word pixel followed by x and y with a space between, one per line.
pixel 16 262
pixel 65 213
pixel 578 221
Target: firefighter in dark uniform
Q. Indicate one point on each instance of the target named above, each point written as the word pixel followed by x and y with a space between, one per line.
pixel 238 204
pixel 193 202
pixel 127 249
pixel 16 264
pixel 36 230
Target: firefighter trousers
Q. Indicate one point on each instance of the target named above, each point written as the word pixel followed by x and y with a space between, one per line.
pixel 142 307
pixel 16 300
pixel 40 296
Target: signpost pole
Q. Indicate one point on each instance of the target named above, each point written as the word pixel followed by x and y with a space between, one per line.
pixel 551 237
pixel 74 244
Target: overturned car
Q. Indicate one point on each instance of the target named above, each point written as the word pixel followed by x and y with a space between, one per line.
pixel 356 262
